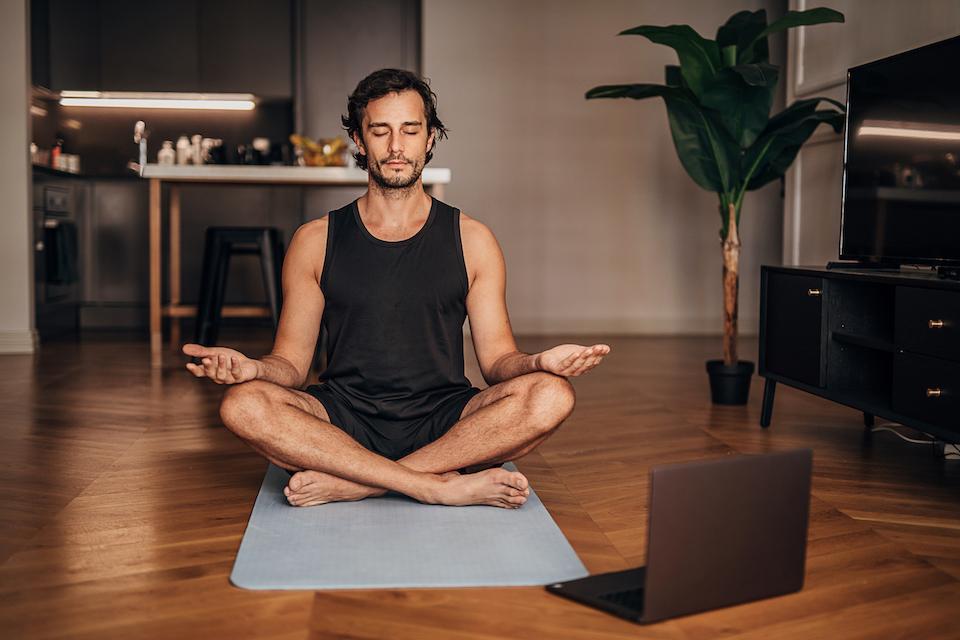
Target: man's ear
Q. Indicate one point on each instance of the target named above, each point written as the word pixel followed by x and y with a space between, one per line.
pixel 357 140
pixel 431 140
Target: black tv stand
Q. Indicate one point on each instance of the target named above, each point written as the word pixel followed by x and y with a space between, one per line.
pixel 885 343
pixel 864 266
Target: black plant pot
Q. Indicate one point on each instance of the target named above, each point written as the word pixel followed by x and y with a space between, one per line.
pixel 729 384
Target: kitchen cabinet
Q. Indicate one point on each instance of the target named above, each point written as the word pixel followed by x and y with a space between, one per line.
pixel 246 47
pixel 40 43
pixel 149 46
pixel 70 44
pixel 213 46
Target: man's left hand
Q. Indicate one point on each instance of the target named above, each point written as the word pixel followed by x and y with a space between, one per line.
pixel 572 359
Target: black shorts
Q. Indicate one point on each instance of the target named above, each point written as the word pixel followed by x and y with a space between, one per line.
pixel 392 439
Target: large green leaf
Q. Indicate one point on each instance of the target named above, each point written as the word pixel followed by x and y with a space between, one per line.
pixel 791 19
pixel 775 150
pixel 742 29
pixel 742 97
pixel 760 74
pixel 699 57
pixel 672 76
pixel 799 110
pixel 635 91
pixel 707 152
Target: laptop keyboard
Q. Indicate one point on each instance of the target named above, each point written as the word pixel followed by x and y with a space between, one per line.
pixel 631 598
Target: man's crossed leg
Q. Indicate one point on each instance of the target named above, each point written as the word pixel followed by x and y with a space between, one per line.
pixel 291 428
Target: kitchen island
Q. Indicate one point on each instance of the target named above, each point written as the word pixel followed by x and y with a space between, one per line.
pixel 176 175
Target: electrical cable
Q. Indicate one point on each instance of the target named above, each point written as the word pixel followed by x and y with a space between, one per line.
pixel 950 451
pixel 900 435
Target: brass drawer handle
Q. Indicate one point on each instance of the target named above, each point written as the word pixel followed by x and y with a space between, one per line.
pixel 933 393
pixel 813 293
pixel 935 324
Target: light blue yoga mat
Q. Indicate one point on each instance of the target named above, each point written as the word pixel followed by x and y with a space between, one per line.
pixel 395 542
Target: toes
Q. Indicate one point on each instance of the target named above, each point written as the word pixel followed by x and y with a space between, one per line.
pixel 311 503
pixel 510 502
pixel 515 500
pixel 301 479
pixel 515 479
pixel 296 481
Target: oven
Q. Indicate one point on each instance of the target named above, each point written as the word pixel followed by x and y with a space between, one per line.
pixel 56 258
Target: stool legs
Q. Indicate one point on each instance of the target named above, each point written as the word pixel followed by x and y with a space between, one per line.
pixel 219 245
pixel 271 264
pixel 211 275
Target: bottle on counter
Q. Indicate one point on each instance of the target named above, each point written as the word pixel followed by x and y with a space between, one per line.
pixel 196 150
pixel 167 155
pixel 183 150
pixel 55 153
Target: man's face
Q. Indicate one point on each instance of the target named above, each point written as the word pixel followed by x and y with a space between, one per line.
pixel 395 139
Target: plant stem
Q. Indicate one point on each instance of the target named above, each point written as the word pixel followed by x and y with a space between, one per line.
pixel 731 283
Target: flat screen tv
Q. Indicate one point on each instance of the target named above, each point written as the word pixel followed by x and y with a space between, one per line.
pixel 901 169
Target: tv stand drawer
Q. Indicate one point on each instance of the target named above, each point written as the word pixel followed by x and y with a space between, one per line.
pixel 928 321
pixel 927 389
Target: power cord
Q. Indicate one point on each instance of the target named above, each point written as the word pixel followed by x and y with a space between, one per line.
pixel 946 449
pixel 901 436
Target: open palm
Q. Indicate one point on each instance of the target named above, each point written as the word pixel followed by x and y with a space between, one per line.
pixel 572 359
pixel 221 364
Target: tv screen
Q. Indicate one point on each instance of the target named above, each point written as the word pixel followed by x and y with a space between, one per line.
pixel 901 172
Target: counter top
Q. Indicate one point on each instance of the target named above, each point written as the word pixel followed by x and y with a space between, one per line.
pixel 274 174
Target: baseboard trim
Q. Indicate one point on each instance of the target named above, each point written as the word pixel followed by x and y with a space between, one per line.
pixel 672 326
pixel 21 341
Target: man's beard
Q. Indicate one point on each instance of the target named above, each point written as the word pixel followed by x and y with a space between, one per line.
pixel 395 181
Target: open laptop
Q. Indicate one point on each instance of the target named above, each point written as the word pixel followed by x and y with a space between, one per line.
pixel 720 532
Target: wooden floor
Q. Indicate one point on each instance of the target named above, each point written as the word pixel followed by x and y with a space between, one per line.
pixel 124 502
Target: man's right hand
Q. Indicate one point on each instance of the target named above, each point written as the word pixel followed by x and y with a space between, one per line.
pixel 220 364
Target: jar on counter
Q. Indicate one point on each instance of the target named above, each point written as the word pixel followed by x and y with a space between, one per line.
pixel 167 155
pixel 183 150
pixel 196 149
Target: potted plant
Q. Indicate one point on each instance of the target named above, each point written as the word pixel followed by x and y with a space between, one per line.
pixel 718 103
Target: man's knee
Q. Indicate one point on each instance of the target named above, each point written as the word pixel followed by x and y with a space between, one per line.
pixel 551 396
pixel 244 407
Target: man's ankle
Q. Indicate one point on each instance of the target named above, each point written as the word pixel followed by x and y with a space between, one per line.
pixel 430 490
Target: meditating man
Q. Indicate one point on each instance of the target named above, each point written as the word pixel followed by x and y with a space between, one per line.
pixel 392 277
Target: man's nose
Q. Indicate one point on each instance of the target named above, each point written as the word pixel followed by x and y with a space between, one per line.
pixel 396 143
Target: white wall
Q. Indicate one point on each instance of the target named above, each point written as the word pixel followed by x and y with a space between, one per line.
pixel 16 256
pixel 818 60
pixel 602 229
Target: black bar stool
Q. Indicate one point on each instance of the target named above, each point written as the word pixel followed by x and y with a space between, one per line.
pixel 220 244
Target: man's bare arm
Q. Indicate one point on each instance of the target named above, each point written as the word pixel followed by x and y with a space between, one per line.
pixel 279 370
pixel 511 365
pixel 288 363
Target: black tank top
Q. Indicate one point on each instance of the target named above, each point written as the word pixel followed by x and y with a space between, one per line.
pixel 394 314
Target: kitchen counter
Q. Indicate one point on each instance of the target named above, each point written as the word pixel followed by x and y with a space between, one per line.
pixel 275 174
pixel 177 175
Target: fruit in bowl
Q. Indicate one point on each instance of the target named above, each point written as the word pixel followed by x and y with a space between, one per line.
pixel 325 152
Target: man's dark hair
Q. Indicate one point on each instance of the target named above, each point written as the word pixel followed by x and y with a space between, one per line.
pixel 384 82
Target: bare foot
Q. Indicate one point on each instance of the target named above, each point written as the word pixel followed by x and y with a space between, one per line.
pixel 495 487
pixel 309 488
